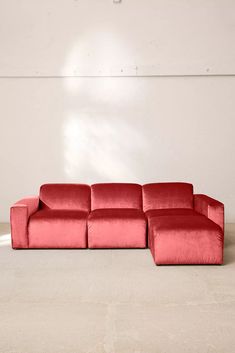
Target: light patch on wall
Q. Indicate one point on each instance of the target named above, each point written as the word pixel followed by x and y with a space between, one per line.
pixel 72 85
pixel 98 148
pixel 97 53
pixel 110 90
pixel 113 91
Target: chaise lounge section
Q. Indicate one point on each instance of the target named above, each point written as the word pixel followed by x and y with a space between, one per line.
pixel 178 226
pixel 183 228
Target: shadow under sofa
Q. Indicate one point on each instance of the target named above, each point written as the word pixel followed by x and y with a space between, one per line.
pixel 178 226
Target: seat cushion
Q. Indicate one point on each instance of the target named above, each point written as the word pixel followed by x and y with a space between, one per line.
pixel 116 195
pixel 185 239
pixel 116 228
pixel 171 212
pixel 167 195
pixel 76 197
pixel 58 229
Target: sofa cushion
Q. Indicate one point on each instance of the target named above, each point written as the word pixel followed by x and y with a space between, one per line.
pixel 116 195
pixel 167 195
pixel 65 197
pixel 116 228
pixel 171 212
pixel 185 239
pixel 58 229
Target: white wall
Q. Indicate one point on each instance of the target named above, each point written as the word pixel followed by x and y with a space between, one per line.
pixel 92 129
pixel 97 37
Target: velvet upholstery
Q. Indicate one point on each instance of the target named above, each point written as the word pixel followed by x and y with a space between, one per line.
pixel 117 228
pixel 167 195
pixel 58 229
pixel 65 197
pixel 19 216
pixel 116 195
pixel 167 212
pixel 170 212
pixel 210 208
pixel 185 239
pixel 182 228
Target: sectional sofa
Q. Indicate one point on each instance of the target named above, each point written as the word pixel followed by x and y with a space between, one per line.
pixel 178 226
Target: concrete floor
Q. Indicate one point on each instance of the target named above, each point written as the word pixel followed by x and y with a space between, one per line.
pixel 113 301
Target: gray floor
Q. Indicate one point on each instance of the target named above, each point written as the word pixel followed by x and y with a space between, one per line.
pixel 106 301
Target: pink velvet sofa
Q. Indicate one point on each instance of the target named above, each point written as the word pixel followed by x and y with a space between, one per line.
pixel 178 226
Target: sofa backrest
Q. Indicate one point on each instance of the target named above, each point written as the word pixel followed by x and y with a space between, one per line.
pixel 167 195
pixel 66 197
pixel 116 195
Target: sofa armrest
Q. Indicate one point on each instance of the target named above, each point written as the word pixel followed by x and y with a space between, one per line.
pixel 210 208
pixel 19 216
